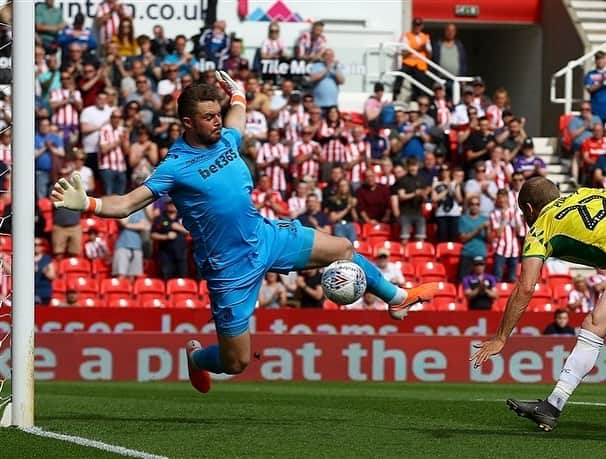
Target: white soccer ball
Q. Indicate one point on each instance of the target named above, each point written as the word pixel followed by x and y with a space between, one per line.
pixel 343 282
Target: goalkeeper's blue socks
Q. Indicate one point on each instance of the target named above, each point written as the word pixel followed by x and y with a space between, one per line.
pixel 377 284
pixel 208 358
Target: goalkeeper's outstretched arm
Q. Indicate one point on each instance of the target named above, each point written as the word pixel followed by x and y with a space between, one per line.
pixel 236 115
pixel 72 195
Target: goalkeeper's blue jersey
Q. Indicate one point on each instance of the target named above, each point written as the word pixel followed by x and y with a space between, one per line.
pixel 211 189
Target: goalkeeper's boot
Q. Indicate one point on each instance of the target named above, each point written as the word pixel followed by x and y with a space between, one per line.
pixel 199 378
pixel 540 411
pixel 417 295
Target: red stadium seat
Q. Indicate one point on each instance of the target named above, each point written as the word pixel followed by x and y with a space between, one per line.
pixel 59 286
pixel 446 292
pixel 6 243
pixel 118 300
pixel 542 291
pixel 202 288
pixel 561 292
pixel 75 265
pixel 396 251
pixel 449 254
pixel 100 224
pixel 330 306
pixel 115 285
pixel 185 300
pixel 504 289
pixel 540 305
pixel 358 230
pixel 181 285
pixel 46 208
pixel 363 248
pixel 91 301
pixel 148 285
pixel 559 279
pixel 379 229
pixel 57 299
pixel 82 284
pixel 565 137
pixel 101 269
pixel 153 300
pixel 408 271
pixel 445 305
pixel 431 271
pixel 423 307
pixel 420 252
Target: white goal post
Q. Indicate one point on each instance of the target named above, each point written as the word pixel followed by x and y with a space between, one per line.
pixel 21 407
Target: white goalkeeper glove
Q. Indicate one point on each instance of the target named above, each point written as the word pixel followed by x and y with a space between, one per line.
pixel 231 88
pixel 73 196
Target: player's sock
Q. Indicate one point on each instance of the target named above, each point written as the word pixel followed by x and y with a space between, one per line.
pixel 377 284
pixel 209 359
pixel 579 363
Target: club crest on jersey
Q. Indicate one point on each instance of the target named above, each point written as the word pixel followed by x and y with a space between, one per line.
pixel 221 162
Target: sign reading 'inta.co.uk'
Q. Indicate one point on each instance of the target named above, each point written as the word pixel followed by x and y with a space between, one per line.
pixel 161 357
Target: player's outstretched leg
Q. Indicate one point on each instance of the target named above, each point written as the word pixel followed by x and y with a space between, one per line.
pixel 327 248
pixel 198 361
pixel 579 363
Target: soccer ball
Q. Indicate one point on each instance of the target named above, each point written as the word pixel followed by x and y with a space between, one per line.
pixel 343 282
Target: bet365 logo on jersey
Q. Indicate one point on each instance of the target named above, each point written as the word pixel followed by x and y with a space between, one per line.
pixel 221 162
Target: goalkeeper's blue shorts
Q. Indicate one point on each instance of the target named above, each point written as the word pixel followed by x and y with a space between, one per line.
pixel 285 246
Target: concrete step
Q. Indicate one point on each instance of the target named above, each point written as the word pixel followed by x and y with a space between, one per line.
pixel 588 5
pixel 557 169
pixel 591 15
pixel 594 26
pixel 596 38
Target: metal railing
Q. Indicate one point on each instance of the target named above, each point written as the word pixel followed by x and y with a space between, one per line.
pixel 567 73
pixel 388 50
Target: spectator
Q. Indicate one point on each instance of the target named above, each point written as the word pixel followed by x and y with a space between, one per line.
pixel 386 173
pixel 256 124
pixel 313 217
pixel 411 64
pixel 595 84
pixel 296 204
pixel 79 34
pixel 581 298
pixel 161 46
pixel 497 169
pixel 281 99
pixel 49 154
pixel 66 104
pixel 336 174
pixel 171 84
pixel 473 233
pixel 71 297
pixel 132 118
pixel 592 150
pixel 125 38
pixel 311 45
pixel 273 161
pixel 142 155
pixel 114 146
pixel 145 63
pixel 306 155
pixel 580 128
pixel 517 180
pixel 512 137
pixel 232 61
pixel 291 119
pixel 114 68
pixel 357 157
pixel 96 247
pixel 447 197
pixel 92 81
pixel 268 201
pixel 49 22
pixel 342 211
pixel 528 163
pixel 272 47
pixel 415 133
pixel 174 132
pixel 128 253
pixel 424 106
pixel 143 94
pixel 49 81
pixel 309 288
pixel 109 15
pixel 72 61
pixel 379 145
pixel 374 105
pixel 169 234
pixel 213 42
pixel 483 188
pixel 479 145
pixel 164 120
pixel 67 232
pixel 480 288
pixel 460 114
pixel 597 283
pixel 442 107
pixel 450 53
pixel 44 273
pixel 505 225
pixel 407 197
pixel 373 200
pixel 430 170
pixel 494 112
pixel 391 271
pixel 86 173
pixel 332 137
pixel 6 154
pixel 273 293
pixel 183 60
pixel 480 99
pixel 560 325
pixel 368 302
pixel 326 78
pixel 260 101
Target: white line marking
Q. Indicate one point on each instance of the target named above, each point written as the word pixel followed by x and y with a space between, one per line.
pixel 92 443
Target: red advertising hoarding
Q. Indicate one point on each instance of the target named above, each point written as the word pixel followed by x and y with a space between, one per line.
pixel 284 321
pixel 492 11
pixel 160 357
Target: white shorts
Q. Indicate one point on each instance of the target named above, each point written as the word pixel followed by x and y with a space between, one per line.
pixel 127 262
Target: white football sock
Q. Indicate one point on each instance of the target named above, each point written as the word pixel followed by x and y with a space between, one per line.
pixel 580 362
pixel 399 297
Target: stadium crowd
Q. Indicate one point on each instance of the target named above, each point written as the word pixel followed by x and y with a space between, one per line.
pixel 426 188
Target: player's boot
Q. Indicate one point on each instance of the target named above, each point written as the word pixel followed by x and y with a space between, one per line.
pixel 540 411
pixel 200 379
pixel 419 294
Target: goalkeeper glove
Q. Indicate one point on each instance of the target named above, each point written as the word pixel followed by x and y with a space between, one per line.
pixel 73 196
pixel 231 88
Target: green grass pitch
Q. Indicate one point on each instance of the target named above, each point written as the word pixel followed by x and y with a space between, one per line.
pixel 306 420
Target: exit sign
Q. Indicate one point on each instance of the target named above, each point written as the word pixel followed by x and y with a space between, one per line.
pixel 467 10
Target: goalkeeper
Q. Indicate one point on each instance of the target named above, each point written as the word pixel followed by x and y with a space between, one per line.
pixel 234 246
